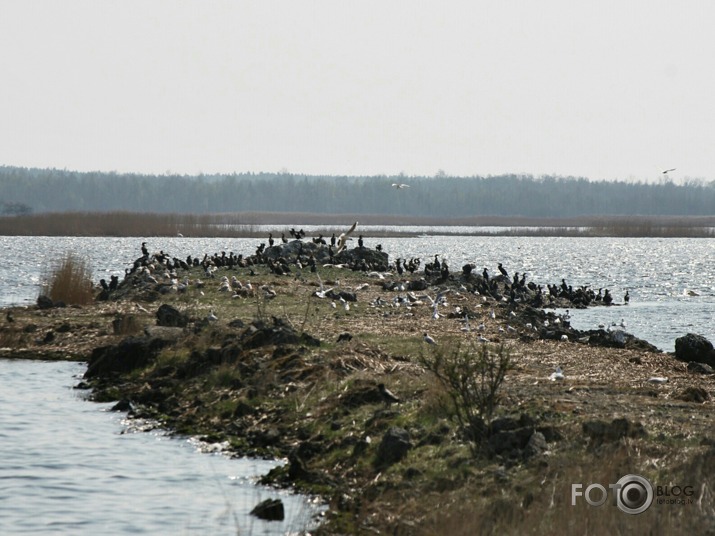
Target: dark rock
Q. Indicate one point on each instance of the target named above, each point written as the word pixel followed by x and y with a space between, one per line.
pixel 603 432
pixel 122 405
pixel 394 446
pixel 30 328
pixel 345 337
pixel 44 302
pixel 510 442
pixel 129 354
pixel 418 284
pixel 694 394
pixel 270 510
pixel 169 316
pixel 64 328
pixel 237 323
pixel 700 368
pixel 692 347
pixel 49 337
pixel 536 445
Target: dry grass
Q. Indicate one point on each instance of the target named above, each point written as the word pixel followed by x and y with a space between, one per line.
pixel 234 225
pixel 70 281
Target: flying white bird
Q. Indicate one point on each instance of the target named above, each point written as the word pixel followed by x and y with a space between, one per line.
pixel 343 238
pixel 400 186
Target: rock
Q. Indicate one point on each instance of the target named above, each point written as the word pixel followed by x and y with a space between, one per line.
pixel 536 445
pixel 165 333
pixel 344 337
pixel 700 368
pixel 44 302
pixel 169 316
pixel 694 394
pixel 270 510
pixel 126 324
pixel 394 446
pixel 510 442
pixel 129 354
pixel 601 432
pixel 692 347
pixel 64 328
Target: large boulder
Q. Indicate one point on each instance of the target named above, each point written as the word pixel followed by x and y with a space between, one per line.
pixel 129 354
pixel 394 446
pixel 171 317
pixel 692 347
pixel 270 510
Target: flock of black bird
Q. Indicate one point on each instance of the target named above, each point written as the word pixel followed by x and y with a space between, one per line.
pixel 292 257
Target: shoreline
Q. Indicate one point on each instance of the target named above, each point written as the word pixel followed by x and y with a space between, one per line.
pixel 270 377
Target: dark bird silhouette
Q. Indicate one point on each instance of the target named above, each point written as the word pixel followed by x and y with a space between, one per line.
pixel 666 171
pixel 145 251
pixel 627 297
pixel 387 396
pixel 270 240
pixel 503 270
pixel 284 239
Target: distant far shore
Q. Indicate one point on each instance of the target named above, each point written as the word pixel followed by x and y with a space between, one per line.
pixel 245 224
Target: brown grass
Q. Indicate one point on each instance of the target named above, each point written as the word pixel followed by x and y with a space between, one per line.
pixel 70 281
pixel 234 225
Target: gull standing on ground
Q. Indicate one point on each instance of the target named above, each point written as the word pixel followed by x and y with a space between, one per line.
pixel 428 339
pixel 557 376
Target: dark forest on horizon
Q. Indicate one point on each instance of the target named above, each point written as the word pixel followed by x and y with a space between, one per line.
pixel 26 191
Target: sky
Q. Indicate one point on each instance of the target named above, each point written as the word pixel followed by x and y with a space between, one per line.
pixel 607 90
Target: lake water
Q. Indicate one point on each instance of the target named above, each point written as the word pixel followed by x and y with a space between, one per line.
pixel 69 466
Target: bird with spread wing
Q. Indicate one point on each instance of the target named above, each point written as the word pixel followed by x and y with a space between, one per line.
pixel 343 238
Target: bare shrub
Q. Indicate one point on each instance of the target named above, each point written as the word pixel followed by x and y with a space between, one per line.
pixel 471 377
pixel 69 281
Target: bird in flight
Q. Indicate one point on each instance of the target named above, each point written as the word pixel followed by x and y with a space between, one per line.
pixel 343 238
pixel 400 186
pixel 666 171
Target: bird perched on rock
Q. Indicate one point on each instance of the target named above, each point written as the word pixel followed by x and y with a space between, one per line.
pixel 387 396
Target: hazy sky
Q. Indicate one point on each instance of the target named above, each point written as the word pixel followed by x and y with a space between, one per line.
pixel 605 90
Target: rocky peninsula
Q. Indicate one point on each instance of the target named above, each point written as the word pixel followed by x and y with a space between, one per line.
pixel 323 357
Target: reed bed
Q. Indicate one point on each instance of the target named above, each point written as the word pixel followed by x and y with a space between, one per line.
pixel 236 225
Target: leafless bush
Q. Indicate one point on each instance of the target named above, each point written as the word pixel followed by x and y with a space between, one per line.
pixel 471 377
pixel 70 281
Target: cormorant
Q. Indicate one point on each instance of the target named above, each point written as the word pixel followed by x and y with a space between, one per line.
pixel 503 270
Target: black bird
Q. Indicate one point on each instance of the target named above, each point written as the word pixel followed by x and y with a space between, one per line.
pixel 360 242
pixel 270 240
pixel 284 239
pixel 333 240
pixel 145 251
pixel 387 396
pixel 503 270
pixel 627 297
pixel 345 337
pixel 485 275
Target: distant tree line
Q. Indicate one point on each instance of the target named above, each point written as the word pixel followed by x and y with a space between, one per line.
pixel 24 190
